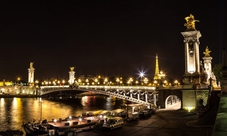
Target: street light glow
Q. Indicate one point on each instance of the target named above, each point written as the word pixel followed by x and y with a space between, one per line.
pixel 142 74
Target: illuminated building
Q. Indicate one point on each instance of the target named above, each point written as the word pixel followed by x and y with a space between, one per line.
pixel 6 83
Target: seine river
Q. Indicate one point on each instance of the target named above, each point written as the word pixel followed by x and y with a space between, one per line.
pixel 15 111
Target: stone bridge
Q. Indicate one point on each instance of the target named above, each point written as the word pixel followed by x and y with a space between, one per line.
pixel 139 94
pixel 147 95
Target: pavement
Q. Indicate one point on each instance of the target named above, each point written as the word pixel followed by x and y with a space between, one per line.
pixel 162 123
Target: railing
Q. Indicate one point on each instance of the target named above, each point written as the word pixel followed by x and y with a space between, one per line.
pixel 118 87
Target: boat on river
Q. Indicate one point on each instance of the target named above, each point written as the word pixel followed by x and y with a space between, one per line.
pixel 61 126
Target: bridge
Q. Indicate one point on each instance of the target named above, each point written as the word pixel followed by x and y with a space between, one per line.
pixel 162 97
pixel 138 94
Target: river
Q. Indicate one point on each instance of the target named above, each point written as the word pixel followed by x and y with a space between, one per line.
pixel 15 111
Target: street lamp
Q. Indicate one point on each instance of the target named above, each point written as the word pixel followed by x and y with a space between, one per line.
pixel 141 77
pixel 176 82
pixel 87 81
pixel 130 80
pixel 63 82
pixel 137 82
pixel 155 83
pixel 105 81
pixel 165 82
pixel 96 81
pixel 145 80
pixel 117 80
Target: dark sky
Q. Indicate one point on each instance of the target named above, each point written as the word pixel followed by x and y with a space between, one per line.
pixel 108 37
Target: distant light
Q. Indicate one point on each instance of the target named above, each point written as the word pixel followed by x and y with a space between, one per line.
pixel 142 74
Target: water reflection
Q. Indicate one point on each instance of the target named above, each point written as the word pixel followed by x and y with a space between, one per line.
pixel 15 111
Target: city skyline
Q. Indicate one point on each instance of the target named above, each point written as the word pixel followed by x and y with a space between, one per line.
pixel 109 38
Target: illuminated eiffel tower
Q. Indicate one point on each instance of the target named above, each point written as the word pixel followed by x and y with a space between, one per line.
pixel 156 74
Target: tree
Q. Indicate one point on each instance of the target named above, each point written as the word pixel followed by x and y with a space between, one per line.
pixel 216 70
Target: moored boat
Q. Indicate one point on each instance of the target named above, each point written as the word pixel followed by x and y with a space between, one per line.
pixel 61 126
pixel 38 129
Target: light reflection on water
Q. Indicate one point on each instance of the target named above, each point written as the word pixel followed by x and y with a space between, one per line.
pixel 15 111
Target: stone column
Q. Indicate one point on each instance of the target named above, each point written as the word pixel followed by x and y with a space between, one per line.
pixel 192 61
pixel 197 59
pixel 145 97
pixel 186 57
pixel 138 96
pixel 207 67
pixel 31 72
pixel 154 97
pixel 71 76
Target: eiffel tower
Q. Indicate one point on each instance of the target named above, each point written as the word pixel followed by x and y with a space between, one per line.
pixel 156 74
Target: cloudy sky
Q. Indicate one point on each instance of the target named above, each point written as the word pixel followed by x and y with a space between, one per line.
pixel 108 37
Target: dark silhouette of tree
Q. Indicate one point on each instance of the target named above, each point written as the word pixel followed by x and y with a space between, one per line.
pixel 217 70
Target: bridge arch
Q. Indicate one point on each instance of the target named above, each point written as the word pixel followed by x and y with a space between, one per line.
pixel 165 94
pixel 126 93
pixel 172 102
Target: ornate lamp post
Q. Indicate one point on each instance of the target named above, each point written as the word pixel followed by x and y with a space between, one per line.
pixel 105 81
pixel 117 80
pixel 145 80
pixel 63 82
pixel 176 82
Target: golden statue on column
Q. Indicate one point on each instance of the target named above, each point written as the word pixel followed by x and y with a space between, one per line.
pixel 31 64
pixel 190 23
pixel 207 52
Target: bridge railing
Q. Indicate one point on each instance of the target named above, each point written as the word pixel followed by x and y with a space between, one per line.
pixel 118 87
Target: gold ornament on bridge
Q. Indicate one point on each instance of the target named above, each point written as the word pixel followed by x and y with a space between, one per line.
pixel 207 52
pixel 31 64
pixel 71 68
pixel 190 23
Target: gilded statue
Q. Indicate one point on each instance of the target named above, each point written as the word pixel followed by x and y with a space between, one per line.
pixel 31 64
pixel 190 23
pixel 207 52
pixel 71 68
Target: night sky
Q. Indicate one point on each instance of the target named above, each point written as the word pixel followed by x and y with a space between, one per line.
pixel 108 37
